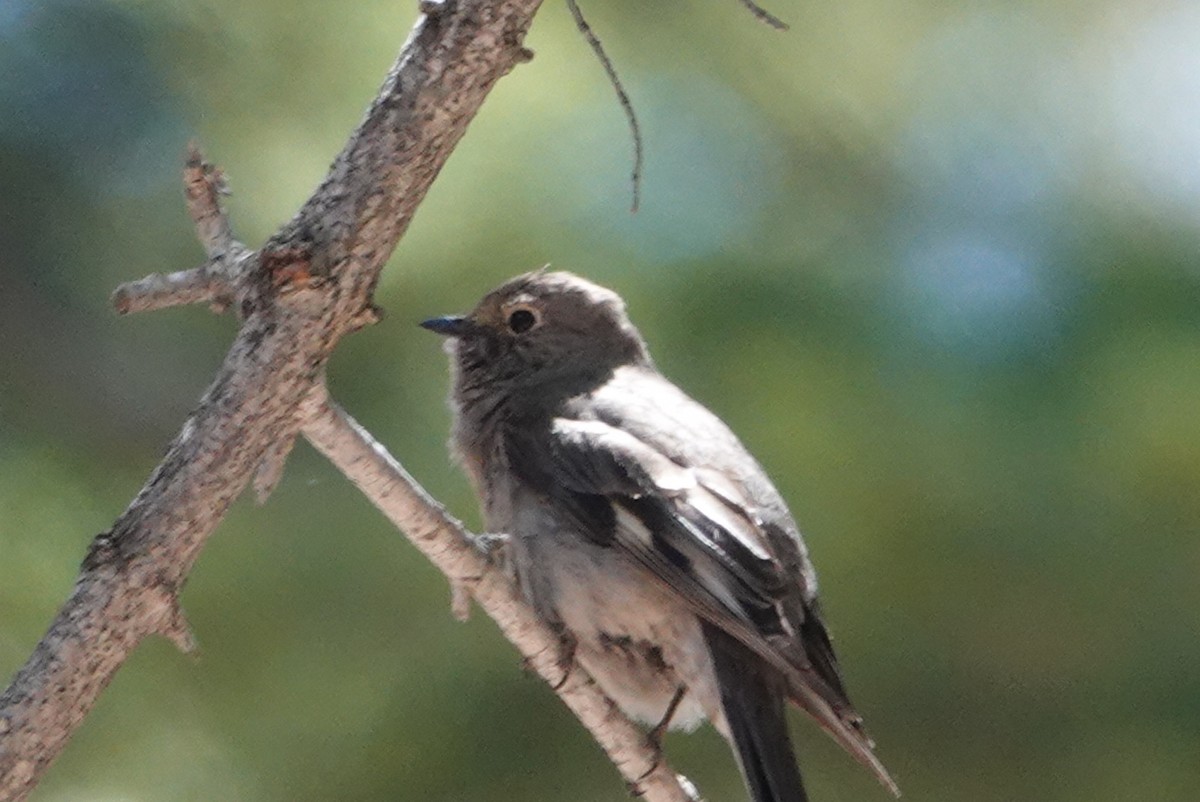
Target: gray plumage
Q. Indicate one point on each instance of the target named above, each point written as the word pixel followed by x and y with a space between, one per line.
pixel 641 528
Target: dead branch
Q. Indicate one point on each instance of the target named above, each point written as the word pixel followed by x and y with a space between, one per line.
pixel 308 286
pixel 456 554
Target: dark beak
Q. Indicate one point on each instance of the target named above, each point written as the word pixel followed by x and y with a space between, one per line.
pixel 449 326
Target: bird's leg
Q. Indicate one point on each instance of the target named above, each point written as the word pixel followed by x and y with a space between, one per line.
pixel 566 656
pixel 660 729
pixel 566 660
pixel 655 736
pixel 495 546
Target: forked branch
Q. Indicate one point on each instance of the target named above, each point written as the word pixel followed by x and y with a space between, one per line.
pixel 307 287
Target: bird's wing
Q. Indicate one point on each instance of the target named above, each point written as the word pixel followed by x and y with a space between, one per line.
pixel 695 531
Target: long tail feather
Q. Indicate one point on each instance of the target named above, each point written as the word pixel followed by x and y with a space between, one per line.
pixel 753 703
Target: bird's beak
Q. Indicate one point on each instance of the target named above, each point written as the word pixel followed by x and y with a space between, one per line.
pixel 450 325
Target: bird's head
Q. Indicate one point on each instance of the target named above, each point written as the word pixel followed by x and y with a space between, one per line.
pixel 540 338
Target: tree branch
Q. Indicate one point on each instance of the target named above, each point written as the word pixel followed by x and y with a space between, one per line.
pixel 297 297
pixel 456 553
pixel 159 291
pixel 213 283
pixel 308 286
pixel 203 186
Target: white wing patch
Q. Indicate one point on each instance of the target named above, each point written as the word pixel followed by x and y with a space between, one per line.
pixel 723 515
pixel 711 494
pixel 666 475
pixel 629 525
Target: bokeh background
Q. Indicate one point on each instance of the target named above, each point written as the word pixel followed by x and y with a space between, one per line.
pixel 936 262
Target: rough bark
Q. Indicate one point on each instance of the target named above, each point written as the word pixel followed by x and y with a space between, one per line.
pixel 309 285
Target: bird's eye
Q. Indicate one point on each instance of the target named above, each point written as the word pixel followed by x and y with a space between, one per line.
pixel 522 320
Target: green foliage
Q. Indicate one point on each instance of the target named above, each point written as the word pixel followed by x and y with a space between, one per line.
pixel 935 262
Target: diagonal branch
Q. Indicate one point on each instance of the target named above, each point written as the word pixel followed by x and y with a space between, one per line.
pixel 453 550
pixel 296 297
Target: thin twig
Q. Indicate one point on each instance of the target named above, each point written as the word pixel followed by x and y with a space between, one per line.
pixel 203 186
pixel 213 283
pixel 160 291
pixel 623 98
pixel 764 15
pixel 634 128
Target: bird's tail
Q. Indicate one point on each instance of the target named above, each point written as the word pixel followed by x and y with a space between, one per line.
pixel 753 703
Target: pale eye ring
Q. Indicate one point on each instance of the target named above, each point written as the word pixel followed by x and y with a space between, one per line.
pixel 522 319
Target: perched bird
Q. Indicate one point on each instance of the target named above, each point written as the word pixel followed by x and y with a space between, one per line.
pixel 641 528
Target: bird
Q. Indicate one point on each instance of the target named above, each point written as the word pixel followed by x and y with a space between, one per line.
pixel 641 529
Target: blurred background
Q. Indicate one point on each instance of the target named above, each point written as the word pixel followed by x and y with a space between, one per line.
pixel 936 262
